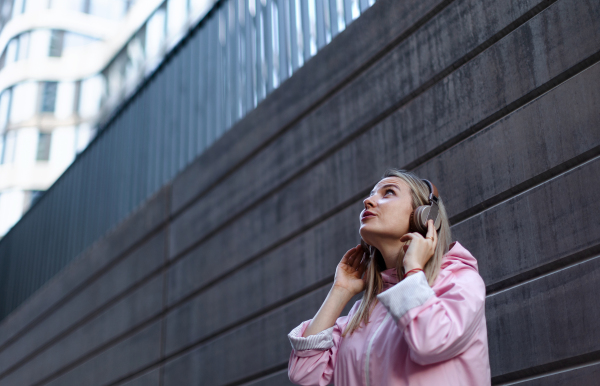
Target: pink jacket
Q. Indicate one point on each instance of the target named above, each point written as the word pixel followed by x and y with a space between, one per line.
pixel 417 335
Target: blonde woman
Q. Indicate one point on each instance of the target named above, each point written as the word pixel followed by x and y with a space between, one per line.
pixel 421 320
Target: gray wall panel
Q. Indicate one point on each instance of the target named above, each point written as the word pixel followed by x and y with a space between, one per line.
pixel 553 318
pixel 150 378
pixel 564 210
pixel 279 378
pixel 83 270
pixel 281 274
pixel 384 145
pixel 551 134
pixel 99 293
pixel 266 335
pixel 129 355
pixel 119 318
pixel 300 263
pixel 347 112
pixel 580 376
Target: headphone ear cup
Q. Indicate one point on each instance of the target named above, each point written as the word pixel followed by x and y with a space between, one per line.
pixel 411 222
pixel 418 219
pixel 415 224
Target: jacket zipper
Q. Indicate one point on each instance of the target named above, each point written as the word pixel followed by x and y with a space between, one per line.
pixel 367 378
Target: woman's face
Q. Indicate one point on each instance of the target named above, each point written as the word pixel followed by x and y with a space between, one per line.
pixel 387 212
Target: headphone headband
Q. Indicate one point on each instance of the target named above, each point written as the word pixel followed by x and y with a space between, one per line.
pixel 433 192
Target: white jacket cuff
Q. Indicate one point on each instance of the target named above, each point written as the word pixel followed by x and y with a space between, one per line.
pixel 407 294
pixel 321 341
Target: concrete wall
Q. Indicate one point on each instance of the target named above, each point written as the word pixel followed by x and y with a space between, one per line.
pixel 496 102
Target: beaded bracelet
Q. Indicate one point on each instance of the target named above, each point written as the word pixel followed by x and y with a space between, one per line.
pixel 411 271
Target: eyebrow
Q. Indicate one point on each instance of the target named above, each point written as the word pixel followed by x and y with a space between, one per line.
pixel 385 186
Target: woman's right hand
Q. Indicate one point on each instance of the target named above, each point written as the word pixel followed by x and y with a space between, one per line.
pixel 349 272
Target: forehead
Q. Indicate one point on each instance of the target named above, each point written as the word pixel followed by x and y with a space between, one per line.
pixel 396 181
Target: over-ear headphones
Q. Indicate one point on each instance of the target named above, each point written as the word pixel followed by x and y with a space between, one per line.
pixel 420 216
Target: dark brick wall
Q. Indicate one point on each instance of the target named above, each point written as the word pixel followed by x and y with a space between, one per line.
pixel 494 101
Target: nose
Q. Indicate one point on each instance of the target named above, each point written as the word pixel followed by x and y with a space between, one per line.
pixel 368 202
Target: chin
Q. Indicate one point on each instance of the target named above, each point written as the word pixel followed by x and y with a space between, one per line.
pixel 367 236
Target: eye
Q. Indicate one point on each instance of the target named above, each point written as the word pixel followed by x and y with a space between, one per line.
pixel 389 191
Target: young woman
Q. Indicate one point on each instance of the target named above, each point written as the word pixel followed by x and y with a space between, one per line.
pixel 421 320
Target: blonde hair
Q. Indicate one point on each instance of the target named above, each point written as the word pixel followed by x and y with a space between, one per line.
pixel 419 192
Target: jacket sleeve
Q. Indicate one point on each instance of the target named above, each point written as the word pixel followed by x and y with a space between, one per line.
pixel 437 326
pixel 313 358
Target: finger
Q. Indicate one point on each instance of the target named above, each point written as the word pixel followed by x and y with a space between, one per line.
pixel 348 254
pixel 350 260
pixel 411 236
pixel 355 257
pixel 430 230
pixel 357 260
pixel 362 260
pixel 406 237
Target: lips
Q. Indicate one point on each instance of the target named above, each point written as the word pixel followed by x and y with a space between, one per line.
pixel 367 214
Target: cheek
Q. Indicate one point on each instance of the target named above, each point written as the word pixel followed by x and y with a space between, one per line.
pixel 403 217
pixel 396 217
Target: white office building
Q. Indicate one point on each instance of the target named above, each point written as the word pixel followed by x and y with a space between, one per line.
pixel 64 66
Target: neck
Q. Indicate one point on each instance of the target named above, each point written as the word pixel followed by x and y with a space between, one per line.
pixel 391 252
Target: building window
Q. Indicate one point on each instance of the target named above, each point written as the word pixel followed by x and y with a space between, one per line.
pixel 49 96
pixel 56 43
pixel 18 7
pixel 112 10
pixel 39 45
pixel 70 5
pixel 90 96
pixel 4 108
pixel 43 150
pixel 23 104
pixel 1 149
pixel 8 151
pixel 23 48
pixel 12 50
pixel 77 96
pixel 75 40
pixel 35 5
pixel 155 33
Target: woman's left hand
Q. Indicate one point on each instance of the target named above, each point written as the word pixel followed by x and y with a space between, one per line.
pixel 421 248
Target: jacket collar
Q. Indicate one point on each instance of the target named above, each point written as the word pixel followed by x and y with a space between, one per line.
pixel 390 278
